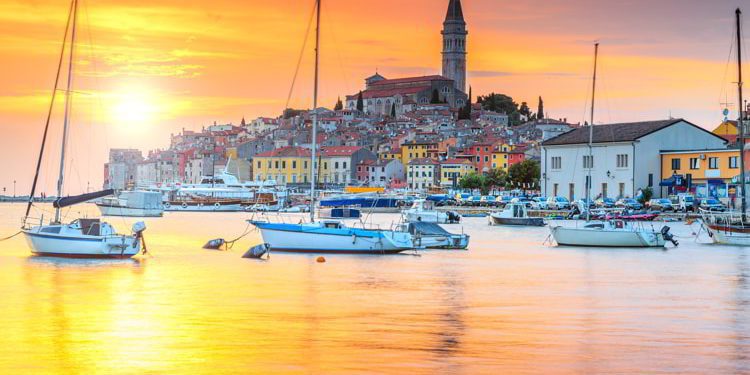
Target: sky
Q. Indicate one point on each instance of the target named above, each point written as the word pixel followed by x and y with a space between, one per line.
pixel 147 69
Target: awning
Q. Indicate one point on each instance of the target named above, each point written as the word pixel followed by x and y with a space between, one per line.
pixel 676 179
pixel 715 181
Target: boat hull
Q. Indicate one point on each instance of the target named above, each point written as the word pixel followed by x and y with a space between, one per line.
pixel 606 238
pixel 82 247
pixel 454 242
pixel 301 238
pixel 204 208
pixel 518 221
pixel 729 235
pixel 107 210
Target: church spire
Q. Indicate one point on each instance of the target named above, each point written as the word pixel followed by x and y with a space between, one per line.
pixel 455 13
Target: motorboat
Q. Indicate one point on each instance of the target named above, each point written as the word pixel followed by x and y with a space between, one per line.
pixel 84 238
pixel 132 204
pixel 612 233
pixel 433 236
pixel 515 214
pixel 332 236
pixel 423 210
pixel 726 228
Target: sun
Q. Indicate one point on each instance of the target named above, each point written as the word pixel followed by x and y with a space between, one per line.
pixel 134 107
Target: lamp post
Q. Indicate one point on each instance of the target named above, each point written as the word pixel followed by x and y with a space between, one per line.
pixel 14 188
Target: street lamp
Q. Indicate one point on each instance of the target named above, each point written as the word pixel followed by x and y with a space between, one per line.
pixel 14 188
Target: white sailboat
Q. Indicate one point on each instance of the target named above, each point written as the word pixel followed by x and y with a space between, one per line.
pixel 734 228
pixel 612 233
pixel 83 237
pixel 328 236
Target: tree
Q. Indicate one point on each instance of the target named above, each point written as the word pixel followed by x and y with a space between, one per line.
pixel 435 97
pixel 393 110
pixel 525 173
pixel 503 104
pixel 339 105
pixel 496 178
pixel 646 195
pixel 540 110
pixel 474 181
pixel 525 110
pixel 360 102
pixel 242 123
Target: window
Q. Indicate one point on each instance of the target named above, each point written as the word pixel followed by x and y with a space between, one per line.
pixel 650 179
pixel 554 189
pixel 604 190
pixel 478 159
pixel 304 164
pixel 336 165
pixel 258 165
pixel 588 161
pixel 276 164
pixel 557 163
pixel 733 162
pixel 344 165
pixel 713 163
pixel 622 161
pixel 676 164
pixel 294 164
pixel 283 164
pixel 695 163
pixel 486 159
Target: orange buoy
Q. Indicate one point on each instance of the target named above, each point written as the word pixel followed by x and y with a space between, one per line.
pixel 320 260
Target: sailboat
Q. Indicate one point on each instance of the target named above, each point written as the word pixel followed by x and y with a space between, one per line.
pixel 733 229
pixel 84 238
pixel 611 233
pixel 328 236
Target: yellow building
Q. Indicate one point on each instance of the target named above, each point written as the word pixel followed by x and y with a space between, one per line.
pixel 707 171
pixel 500 157
pixel 390 155
pixel 454 170
pixel 286 165
pixel 416 150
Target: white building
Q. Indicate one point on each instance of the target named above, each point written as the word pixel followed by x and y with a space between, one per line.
pixel 626 157
pixel 423 173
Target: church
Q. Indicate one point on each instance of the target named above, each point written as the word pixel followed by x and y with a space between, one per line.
pixel 382 94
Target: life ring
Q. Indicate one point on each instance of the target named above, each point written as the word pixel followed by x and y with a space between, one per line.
pixel 167 205
pixel 184 205
pixel 217 205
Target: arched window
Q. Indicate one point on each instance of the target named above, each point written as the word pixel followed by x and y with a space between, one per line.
pixel 423 100
pixel 459 102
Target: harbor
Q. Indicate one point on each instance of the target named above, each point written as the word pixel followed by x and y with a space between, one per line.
pixel 506 302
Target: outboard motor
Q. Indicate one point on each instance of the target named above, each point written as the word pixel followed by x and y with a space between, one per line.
pixel 138 228
pixel 668 236
pixel 453 217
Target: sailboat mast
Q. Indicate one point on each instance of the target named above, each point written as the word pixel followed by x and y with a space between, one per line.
pixel 591 135
pixel 49 114
pixel 741 123
pixel 66 118
pixel 313 168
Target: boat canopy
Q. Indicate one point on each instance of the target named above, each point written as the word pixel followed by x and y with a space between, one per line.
pixel 423 228
pixel 69 201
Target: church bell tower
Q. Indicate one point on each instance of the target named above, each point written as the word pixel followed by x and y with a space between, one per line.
pixel 454 45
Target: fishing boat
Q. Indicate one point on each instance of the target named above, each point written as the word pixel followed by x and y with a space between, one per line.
pixel 515 214
pixel 132 204
pixel 328 236
pixel 423 210
pixel 85 238
pixel 733 228
pixel 609 233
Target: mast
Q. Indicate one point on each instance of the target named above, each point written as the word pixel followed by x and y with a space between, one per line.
pixel 313 167
pixel 741 123
pixel 66 118
pixel 49 114
pixel 591 134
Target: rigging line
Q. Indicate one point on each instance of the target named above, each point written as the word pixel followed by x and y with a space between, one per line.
pixel 723 89
pixel 301 55
pixel 338 51
pixel 49 112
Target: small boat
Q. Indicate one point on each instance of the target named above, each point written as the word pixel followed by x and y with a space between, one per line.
pixel 331 236
pixel 132 204
pixel 424 211
pixel 81 238
pixel 199 204
pixel 367 202
pixel 612 233
pixel 515 214
pixel 433 236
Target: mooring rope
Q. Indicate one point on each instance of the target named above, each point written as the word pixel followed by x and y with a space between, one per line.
pixel 11 236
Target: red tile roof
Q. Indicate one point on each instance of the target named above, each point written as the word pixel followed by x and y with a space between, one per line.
pixel 456 161
pixel 339 150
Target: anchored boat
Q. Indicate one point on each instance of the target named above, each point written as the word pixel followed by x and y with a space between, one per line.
pixel 515 214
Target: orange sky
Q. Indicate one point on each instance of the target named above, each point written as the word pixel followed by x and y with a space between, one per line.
pixel 148 68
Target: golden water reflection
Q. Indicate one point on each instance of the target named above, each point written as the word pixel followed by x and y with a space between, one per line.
pixel 508 303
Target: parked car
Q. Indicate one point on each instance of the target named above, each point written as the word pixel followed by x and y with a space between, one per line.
pixel 558 203
pixel 488 201
pixel 473 201
pixel 539 203
pixel 712 204
pixel 660 204
pixel 605 203
pixel 629 203
pixel 526 201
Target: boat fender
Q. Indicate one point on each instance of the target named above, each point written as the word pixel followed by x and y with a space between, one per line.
pixel 320 259
pixel 354 238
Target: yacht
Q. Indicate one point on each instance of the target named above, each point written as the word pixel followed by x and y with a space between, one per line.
pixel 515 214
pixel 424 210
